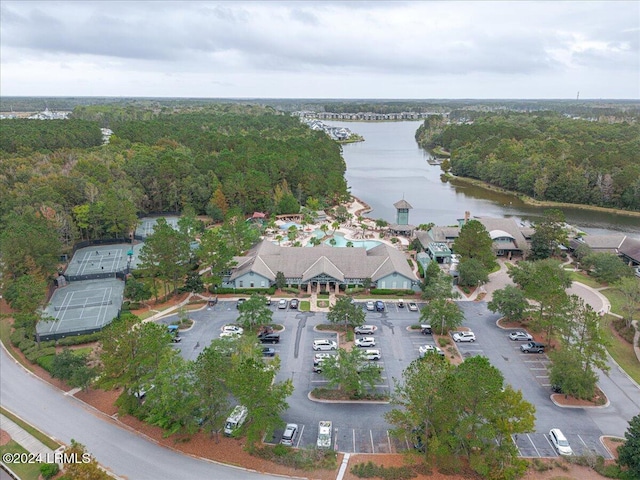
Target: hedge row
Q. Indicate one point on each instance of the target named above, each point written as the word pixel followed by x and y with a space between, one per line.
pixel 388 291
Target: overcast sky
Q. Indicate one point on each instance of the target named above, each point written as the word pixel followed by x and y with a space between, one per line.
pixel 306 49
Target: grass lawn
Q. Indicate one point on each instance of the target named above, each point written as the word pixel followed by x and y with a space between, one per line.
pixel 52 444
pixel 305 305
pixel 586 279
pixel 621 351
pixel 26 471
pixel 617 300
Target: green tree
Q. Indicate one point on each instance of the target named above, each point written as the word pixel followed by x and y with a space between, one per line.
pixel 545 282
pixel 629 451
pixel 472 273
pixel 606 267
pixel 345 312
pixel 238 233
pixel 166 253
pixel 39 255
pixel 26 295
pixel 568 374
pixel 72 368
pixel 216 254
pixel 629 289
pixel 437 284
pixel 86 468
pixel 281 281
pixel 419 399
pixel 253 385
pixel 255 312
pixel 173 404
pixel 136 290
pixel 193 282
pixel 550 233
pixel 350 372
pixel 474 242
pixel 130 355
pixel 511 302
pixel 212 371
pixel 442 313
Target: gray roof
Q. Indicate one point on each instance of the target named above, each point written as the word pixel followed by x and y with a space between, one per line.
pixel 402 204
pixel 341 263
pixel 631 248
pixel 604 242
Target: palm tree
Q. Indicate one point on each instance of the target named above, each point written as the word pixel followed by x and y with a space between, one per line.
pixel 278 239
pixel 349 243
pixel 325 228
pixel 335 226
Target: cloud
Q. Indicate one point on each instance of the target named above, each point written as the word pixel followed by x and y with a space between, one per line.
pixel 374 42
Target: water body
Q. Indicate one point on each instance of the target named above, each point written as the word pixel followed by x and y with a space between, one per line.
pixel 389 166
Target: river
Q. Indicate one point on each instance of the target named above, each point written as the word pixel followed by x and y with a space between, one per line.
pixel 389 166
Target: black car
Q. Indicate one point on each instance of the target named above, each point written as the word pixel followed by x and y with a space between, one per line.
pixel 293 304
pixel 269 338
pixel 240 302
pixel 425 329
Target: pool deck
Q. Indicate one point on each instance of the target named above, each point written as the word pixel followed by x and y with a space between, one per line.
pixel 351 230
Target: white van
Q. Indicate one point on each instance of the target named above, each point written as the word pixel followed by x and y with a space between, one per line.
pixel 560 442
pixel 236 419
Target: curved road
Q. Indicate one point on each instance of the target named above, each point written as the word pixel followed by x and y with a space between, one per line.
pixel 118 449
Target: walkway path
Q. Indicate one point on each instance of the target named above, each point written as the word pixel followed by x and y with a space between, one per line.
pixel 25 439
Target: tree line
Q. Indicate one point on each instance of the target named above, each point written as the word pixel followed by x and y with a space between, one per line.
pixel 546 156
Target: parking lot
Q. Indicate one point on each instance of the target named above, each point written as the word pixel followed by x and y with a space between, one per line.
pixel 360 427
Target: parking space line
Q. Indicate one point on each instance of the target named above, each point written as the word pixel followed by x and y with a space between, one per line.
pixel 534 445
pixel 300 436
pixel 373 449
pixel 389 441
pixel 353 430
pixel 583 442
pixel 513 439
pixel 550 444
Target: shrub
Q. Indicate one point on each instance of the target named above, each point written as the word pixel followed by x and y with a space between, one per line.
pixel 46 362
pixel 49 470
pixel 620 325
pixel 370 470
pixel 389 291
pixel 17 336
pixel 79 339
pixel 36 353
pixel 444 341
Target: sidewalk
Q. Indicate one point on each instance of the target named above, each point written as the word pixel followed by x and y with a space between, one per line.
pixel 24 438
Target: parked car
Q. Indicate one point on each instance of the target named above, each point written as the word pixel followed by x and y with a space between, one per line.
pixel 371 306
pixel 282 304
pixel 365 342
pixel 532 347
pixel 425 329
pixel 325 434
pixel 240 302
pixel 560 442
pixel 379 306
pixel 365 329
pixel 228 334
pixel 175 334
pixel 413 306
pixel 400 303
pixel 318 358
pixel 268 300
pixel 324 344
pixel 269 338
pixel 268 352
pixel 289 434
pixel 425 349
pixel 372 354
pixel 235 419
pixel 464 337
pixel 520 336
pixel 233 329
pixel 637 271
pixel 293 304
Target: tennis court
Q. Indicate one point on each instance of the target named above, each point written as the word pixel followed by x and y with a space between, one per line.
pixel 145 227
pixel 82 307
pixel 92 262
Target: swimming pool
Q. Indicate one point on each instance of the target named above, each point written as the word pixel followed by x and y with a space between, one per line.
pixel 342 242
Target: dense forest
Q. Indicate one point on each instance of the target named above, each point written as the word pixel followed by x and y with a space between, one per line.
pixel 208 161
pixel 546 156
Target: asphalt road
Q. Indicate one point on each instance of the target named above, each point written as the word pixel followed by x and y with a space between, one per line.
pixel 118 449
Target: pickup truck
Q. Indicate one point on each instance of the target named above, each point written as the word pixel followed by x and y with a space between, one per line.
pixel 325 433
pixel 532 347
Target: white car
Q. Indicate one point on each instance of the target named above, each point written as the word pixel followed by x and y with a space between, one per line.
pixel 371 306
pixel 424 349
pixel 560 442
pixel 464 337
pixel 372 354
pixel 233 329
pixel 324 344
pixel 282 304
pixel 227 334
pixel 365 342
pixel 365 329
pixel 289 434
pixel 321 357
pixel 520 336
pixel 413 306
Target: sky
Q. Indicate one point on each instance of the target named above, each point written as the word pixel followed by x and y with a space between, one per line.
pixel 329 49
